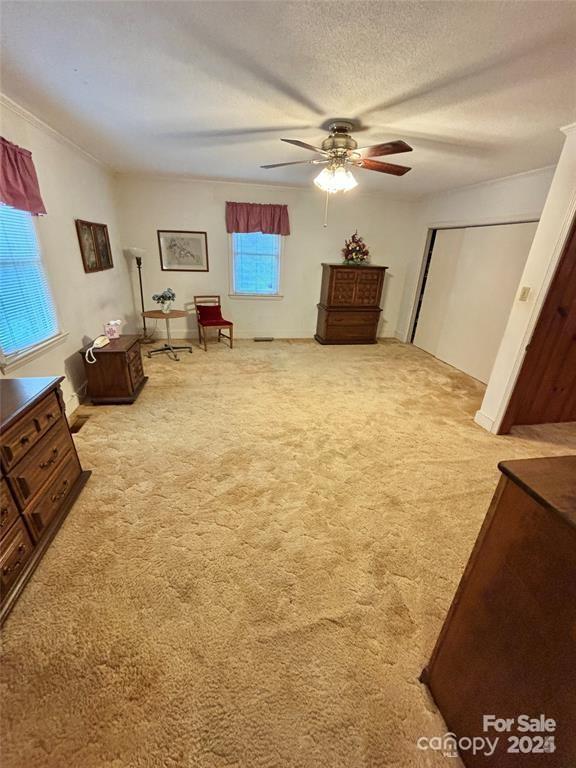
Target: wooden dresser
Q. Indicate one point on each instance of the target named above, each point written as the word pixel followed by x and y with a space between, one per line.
pixel 508 644
pixel 41 478
pixel 117 376
pixel 349 308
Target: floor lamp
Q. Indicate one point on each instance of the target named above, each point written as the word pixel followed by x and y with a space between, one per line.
pixel 137 254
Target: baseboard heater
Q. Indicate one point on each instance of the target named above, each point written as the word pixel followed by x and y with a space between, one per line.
pixel 263 338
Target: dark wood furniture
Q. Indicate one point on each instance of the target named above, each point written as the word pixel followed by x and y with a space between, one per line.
pixel 545 391
pixel 41 478
pixel 349 308
pixel 209 315
pixel 508 644
pixel 117 376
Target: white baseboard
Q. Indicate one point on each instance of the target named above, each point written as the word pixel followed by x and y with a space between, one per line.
pixel 239 334
pixel 72 403
pixel 484 421
pixel 160 333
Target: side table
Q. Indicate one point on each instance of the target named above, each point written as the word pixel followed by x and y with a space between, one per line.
pixel 169 348
pixel 117 376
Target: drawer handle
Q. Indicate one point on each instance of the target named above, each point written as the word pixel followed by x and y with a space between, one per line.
pixel 24 439
pixel 50 416
pixel 49 462
pixel 11 568
pixel 60 494
pixel 3 516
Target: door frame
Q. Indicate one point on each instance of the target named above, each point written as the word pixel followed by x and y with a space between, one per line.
pixel 550 308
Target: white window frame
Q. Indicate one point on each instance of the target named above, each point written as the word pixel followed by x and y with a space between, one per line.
pixel 14 360
pixel 258 296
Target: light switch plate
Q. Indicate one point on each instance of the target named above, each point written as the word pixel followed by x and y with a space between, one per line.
pixel 524 293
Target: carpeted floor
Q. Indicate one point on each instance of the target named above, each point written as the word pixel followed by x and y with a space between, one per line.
pixel 259 566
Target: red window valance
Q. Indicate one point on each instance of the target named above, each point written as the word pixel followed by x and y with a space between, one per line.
pixel 18 181
pixel 254 217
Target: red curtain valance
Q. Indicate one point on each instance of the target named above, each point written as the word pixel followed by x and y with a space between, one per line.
pixel 254 217
pixel 18 181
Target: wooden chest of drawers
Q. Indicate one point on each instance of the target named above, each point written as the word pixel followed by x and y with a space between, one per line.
pixel 349 308
pixel 508 644
pixel 41 478
pixel 117 376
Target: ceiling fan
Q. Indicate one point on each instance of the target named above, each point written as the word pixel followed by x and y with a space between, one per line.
pixel 340 152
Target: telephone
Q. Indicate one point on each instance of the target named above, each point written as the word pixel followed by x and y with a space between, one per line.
pixel 98 343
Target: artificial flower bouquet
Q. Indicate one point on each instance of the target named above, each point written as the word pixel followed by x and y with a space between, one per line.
pixel 355 250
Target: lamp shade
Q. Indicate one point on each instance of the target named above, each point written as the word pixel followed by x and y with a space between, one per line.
pixel 337 179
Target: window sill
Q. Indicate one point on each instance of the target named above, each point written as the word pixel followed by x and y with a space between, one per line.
pixel 17 359
pixel 259 296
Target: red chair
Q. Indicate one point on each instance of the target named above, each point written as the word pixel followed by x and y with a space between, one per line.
pixel 209 315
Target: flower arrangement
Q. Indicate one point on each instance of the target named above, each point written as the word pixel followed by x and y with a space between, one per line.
pixel 165 299
pixel 355 250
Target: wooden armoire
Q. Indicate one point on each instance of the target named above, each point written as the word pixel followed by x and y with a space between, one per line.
pixel 349 308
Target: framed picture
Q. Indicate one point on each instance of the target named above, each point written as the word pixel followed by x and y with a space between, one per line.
pixel 94 246
pixel 87 246
pixel 182 251
pixel 103 250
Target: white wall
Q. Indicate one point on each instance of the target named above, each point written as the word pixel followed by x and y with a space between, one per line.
pixel 72 186
pixel 76 186
pixel 515 198
pixel 553 229
pixel 146 204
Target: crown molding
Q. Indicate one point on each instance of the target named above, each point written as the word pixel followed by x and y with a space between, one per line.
pixel 7 103
pixel 571 128
pixel 308 188
pixel 489 182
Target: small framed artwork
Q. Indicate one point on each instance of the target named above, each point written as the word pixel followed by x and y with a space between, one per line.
pixel 94 246
pixel 103 250
pixel 87 246
pixel 182 251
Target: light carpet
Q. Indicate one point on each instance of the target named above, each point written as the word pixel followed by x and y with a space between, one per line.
pixel 258 568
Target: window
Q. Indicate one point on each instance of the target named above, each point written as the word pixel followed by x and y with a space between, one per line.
pixel 27 314
pixel 255 264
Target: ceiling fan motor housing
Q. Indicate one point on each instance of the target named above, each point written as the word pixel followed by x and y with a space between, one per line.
pixel 340 142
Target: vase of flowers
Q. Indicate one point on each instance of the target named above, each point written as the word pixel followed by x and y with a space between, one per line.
pixel 355 251
pixel 165 299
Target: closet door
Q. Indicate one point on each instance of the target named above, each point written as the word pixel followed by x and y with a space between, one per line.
pixel 472 281
pixel 439 286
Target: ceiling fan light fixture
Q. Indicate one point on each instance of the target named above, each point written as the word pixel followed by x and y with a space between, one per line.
pixel 338 179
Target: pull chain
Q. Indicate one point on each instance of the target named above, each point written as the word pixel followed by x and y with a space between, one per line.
pixel 326 210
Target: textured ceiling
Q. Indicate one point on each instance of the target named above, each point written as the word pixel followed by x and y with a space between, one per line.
pixel 207 89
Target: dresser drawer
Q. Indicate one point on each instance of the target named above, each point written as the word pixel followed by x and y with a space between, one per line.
pixel 28 477
pixel 133 353
pixel 43 510
pixel 351 333
pixel 353 318
pixel 136 370
pixel 17 440
pixel 15 551
pixel 8 508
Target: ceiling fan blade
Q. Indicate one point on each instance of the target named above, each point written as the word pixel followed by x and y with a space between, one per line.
pixel 304 145
pixel 389 148
pixel 233 132
pixel 297 162
pixel 375 165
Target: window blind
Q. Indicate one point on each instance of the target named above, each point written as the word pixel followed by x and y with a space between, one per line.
pixel 256 263
pixel 27 314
